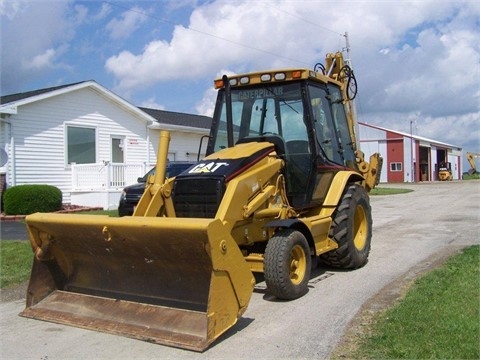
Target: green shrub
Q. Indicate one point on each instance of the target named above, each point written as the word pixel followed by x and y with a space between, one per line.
pixel 29 199
pixel 467 176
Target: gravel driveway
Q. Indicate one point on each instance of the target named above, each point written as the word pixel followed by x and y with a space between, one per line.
pixel 409 231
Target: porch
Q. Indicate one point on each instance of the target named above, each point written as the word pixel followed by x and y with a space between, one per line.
pixel 101 184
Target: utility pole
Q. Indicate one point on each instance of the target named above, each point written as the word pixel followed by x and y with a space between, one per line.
pixel 412 149
pixel 348 61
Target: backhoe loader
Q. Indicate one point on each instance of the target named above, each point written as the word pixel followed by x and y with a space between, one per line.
pixel 283 184
pixel 471 160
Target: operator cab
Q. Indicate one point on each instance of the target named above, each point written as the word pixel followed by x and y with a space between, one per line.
pixel 306 121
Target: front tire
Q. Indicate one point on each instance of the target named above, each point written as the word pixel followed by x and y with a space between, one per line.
pixel 351 229
pixel 287 264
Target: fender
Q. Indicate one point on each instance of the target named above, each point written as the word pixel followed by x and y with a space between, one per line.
pixel 338 185
pixel 296 224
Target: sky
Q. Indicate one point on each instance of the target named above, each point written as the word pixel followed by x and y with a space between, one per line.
pixel 417 63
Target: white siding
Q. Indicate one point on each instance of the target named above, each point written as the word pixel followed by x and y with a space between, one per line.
pixel 455 157
pixel 4 145
pixel 185 146
pixel 408 159
pixel 382 149
pixel 433 161
pixel 456 166
pixel 372 141
pixel 181 143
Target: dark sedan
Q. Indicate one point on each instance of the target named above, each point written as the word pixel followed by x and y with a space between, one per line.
pixel 131 194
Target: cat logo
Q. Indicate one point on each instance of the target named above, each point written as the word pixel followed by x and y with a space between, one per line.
pixel 210 167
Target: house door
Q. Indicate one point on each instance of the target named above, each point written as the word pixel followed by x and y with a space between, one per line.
pixel 117 149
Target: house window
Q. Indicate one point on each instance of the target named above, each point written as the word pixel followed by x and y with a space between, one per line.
pixel 117 150
pixel 81 145
pixel 396 166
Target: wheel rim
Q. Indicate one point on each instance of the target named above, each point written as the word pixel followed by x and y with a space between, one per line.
pixel 298 263
pixel 360 228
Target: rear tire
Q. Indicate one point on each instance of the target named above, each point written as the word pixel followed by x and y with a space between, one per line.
pixel 351 229
pixel 287 264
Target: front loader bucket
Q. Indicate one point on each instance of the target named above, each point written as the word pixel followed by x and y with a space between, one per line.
pixel 173 281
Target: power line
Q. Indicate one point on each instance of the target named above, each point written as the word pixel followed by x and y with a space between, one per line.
pixel 306 20
pixel 223 38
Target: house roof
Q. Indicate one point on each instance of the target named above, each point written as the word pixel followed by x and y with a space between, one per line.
pixel 20 96
pixel 416 137
pixel 181 119
pixel 9 104
pixel 174 120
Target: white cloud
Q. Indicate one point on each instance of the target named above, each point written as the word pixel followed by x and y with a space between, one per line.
pixel 419 57
pixel 218 35
pixel 128 23
pixel 81 14
pixel 32 38
pixel 281 34
pixel 10 8
pixel 152 103
pixel 45 60
pixel 466 127
pixel 207 104
pixel 103 12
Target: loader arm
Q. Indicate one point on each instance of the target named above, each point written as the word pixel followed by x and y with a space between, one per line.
pixel 156 198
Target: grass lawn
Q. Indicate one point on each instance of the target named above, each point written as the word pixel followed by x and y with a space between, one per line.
pixel 475 176
pixel 113 213
pixel 438 318
pixel 388 191
pixel 16 256
pixel 15 262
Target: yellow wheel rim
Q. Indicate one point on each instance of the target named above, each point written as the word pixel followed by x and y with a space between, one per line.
pixel 298 264
pixel 360 228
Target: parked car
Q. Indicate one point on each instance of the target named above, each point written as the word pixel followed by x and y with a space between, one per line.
pixel 131 194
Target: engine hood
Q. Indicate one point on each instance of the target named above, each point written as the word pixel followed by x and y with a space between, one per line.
pixel 230 162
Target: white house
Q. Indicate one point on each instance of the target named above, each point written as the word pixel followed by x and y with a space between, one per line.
pixel 87 141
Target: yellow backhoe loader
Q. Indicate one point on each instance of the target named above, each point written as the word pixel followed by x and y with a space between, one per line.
pixel 471 160
pixel 283 184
